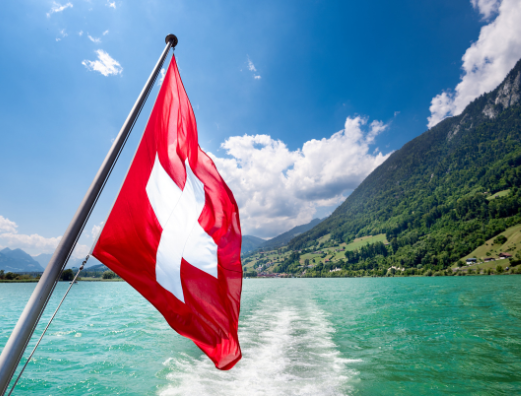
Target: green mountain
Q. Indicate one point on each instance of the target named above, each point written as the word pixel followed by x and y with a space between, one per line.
pixel 16 260
pixel 430 197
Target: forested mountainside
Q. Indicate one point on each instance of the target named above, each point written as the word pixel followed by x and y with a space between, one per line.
pixel 432 197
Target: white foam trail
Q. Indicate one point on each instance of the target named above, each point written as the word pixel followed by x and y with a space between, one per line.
pixel 287 350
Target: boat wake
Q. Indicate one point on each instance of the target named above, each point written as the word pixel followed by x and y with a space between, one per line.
pixel 287 350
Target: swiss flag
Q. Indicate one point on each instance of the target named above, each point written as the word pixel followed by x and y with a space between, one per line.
pixel 174 232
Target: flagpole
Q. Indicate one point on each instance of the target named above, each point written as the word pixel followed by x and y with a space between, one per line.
pixel 15 347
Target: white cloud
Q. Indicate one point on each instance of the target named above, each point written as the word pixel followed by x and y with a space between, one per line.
pixel 105 32
pixel 94 39
pixel 9 237
pixel 105 64
pixel 112 5
pixel 96 229
pixel 253 69
pixel 161 77
pixel 7 225
pixel 80 251
pixel 33 241
pixel 486 62
pixel 487 8
pixel 277 189
pixel 58 8
pixel 33 244
pixel 80 33
pixel 251 66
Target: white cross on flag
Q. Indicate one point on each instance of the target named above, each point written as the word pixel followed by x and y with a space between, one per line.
pixel 174 232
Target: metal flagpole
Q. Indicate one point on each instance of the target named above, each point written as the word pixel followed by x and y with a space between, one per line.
pixel 15 347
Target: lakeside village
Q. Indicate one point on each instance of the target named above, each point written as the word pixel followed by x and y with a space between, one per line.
pixel 366 257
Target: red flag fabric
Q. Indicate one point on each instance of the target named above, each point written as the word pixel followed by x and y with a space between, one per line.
pixel 174 232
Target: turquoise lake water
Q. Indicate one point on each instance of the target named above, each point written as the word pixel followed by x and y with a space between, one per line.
pixel 387 336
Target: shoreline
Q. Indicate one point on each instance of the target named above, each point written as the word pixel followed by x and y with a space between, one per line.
pixel 82 280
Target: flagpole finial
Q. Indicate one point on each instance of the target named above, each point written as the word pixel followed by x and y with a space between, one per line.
pixel 171 38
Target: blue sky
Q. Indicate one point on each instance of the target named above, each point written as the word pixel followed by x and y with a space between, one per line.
pixel 297 101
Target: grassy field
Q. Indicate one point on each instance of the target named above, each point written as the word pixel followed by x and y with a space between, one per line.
pixel 489 249
pixel 498 194
pixel 490 264
pixel 359 242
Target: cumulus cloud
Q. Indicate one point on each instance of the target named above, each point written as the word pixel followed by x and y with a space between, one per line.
pixel 105 64
pixel 486 62
pixel 9 237
pixel 7 225
pixel 34 243
pixel 80 251
pixel 96 229
pixel 58 8
pixel 111 4
pixel 487 8
pixel 277 188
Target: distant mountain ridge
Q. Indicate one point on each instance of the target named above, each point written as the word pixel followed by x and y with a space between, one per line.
pixel 251 243
pixel 44 258
pixel 16 260
pixel 284 238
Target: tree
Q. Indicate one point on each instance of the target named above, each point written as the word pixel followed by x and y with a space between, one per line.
pixel 499 269
pixel 500 240
pixel 108 275
pixel 67 275
pixel 1 274
pixel 10 276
